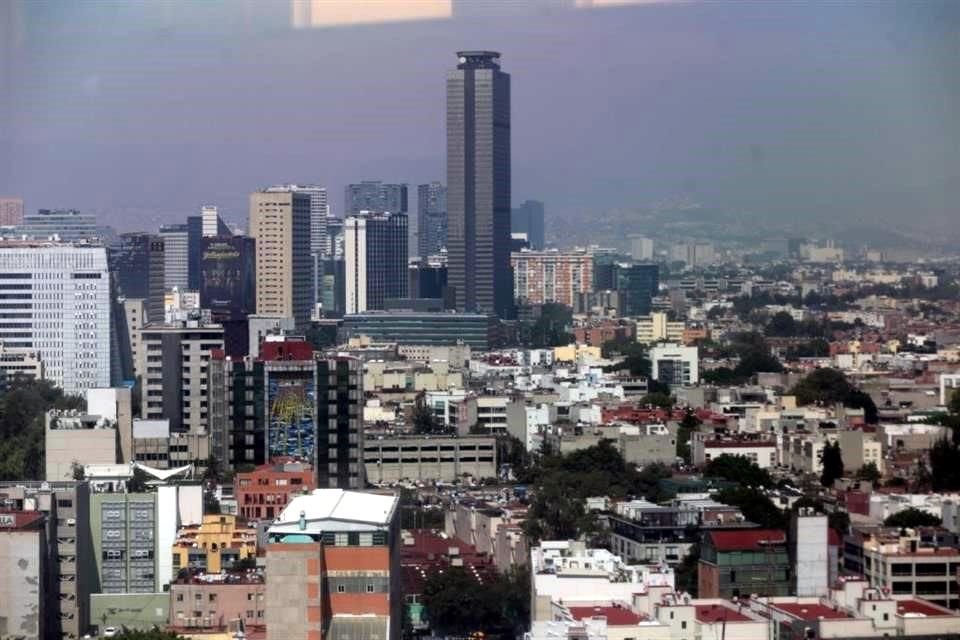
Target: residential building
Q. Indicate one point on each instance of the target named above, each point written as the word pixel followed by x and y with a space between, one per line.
pixel 741 563
pixel 641 248
pixel 174 360
pixel 214 545
pixel 595 335
pixel 705 447
pixel 280 225
pixel 541 277
pixel 138 265
pixel 376 197
pixel 528 220
pixel 333 561
pixel 375 255
pixel 27 580
pixel 476 330
pixel 215 602
pixel 11 212
pixel 637 284
pixel 66 225
pixel 859 448
pixel 478 184
pixel 491 528
pixel 69 549
pixel 810 553
pixel 264 492
pixel 68 326
pixel 431 219
pixel 657 327
pixel 429 458
pixel 72 438
pixel 176 256
pixel 903 563
pixel 675 364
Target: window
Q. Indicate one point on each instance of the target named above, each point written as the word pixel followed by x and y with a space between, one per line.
pixel 369 588
pixel 179 597
pixel 683 624
pixel 341 588
pixel 213 597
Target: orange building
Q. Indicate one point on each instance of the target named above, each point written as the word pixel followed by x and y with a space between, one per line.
pixel 263 493
pixel 551 276
pixel 333 564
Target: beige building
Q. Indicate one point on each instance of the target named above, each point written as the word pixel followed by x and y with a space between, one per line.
pixel 20 363
pixel 657 328
pixel 73 437
pixel 280 224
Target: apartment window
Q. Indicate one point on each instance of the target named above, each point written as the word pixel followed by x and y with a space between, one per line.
pixel 65 504
pixel 683 624
pixel 213 597
pixel 369 588
pixel 179 597
pixel 341 588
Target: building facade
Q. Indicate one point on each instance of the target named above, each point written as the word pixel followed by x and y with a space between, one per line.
pixel 541 277
pixel 675 364
pixel 138 265
pixel 476 330
pixel 67 225
pixel 478 184
pixel 741 563
pixel 176 256
pixel 528 220
pixel 375 255
pixel 11 212
pixel 637 285
pixel 57 299
pixel 375 197
pixel 280 225
pixel 431 219
pixel 424 459
pixel 264 492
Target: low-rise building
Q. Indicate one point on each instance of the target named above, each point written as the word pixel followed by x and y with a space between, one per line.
pixel 210 602
pixel 217 544
pixel 72 438
pixel 263 493
pixel 429 458
pixel 26 576
pixel 740 563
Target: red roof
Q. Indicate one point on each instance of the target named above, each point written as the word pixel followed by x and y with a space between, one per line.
pixel 616 615
pixel 814 611
pixel 738 444
pixel 21 520
pixel 299 350
pixel 922 607
pixel 746 539
pixel 710 613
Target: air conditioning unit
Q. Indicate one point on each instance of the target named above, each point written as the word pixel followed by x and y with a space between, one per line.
pixel 71 522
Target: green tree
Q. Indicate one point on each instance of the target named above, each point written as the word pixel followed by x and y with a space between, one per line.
pixel 212 469
pixel 869 472
pixel 551 329
pixel 829 386
pixel 755 506
pixel 147 634
pixel 688 425
pixel 22 407
pixel 687 574
pixel 424 420
pixel 781 324
pixel 944 471
pixel 138 482
pixel 912 517
pixel 457 604
pixel 738 469
pixel 832 464
pixel 657 399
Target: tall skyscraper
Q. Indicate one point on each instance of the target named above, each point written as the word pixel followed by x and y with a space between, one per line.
pixel 11 212
pixel 637 284
pixel 528 219
pixel 431 219
pixel 213 225
pixel 280 224
pixel 138 265
pixel 228 288
pixel 375 252
pixel 194 249
pixel 56 299
pixel 375 196
pixel 176 256
pixel 478 184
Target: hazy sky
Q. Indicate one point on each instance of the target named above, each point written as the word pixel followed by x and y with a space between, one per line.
pixel 143 111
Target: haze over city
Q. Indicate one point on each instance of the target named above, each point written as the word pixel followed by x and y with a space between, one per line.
pixel 140 112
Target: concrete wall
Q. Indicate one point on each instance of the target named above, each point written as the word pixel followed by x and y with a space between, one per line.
pixel 132 610
pixel 22 584
pixel 63 447
pixel 230 604
pixel 294 607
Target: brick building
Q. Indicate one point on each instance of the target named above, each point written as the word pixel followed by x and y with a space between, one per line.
pixel 265 491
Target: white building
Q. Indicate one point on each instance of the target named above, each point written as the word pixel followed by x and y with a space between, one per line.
pixel 56 301
pixel 675 364
pixel 355 254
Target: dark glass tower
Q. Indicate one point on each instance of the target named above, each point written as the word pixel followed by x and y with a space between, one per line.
pixel 431 219
pixel 478 184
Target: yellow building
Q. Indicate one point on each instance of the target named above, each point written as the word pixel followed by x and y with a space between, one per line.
pixel 214 545
pixel 573 352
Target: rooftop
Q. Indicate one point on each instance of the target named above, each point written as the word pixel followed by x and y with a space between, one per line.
pixel 811 611
pixel 338 505
pixel 616 615
pixel 747 539
pixel 921 608
pixel 20 520
pixel 710 613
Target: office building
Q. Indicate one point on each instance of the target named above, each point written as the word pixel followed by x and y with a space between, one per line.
pixel 11 212
pixel 376 197
pixel 65 506
pixel 334 565
pixel 194 251
pixel 428 278
pixel 375 256
pixel 541 277
pixel 674 364
pixel 637 284
pixel 641 248
pixel 212 225
pixel 280 225
pixel 67 225
pixel 476 330
pixel 26 576
pixel 431 219
pixel 67 325
pixel 478 184
pixel 228 287
pixel 739 563
pixel 174 360
pixel 176 256
pixel 138 265
pixel 527 219
pixel 332 283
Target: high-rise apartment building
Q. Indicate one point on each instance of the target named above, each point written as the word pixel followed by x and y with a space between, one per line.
pixel 540 277
pixel 174 361
pixel 176 256
pixel 528 220
pixel 431 219
pixel 280 224
pixel 375 196
pixel 139 264
pixel 375 253
pixel 478 184
pixel 56 301
pixel 641 248
pixel 69 225
pixel 11 212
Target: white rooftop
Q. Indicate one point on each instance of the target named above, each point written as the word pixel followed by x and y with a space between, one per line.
pixel 349 507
